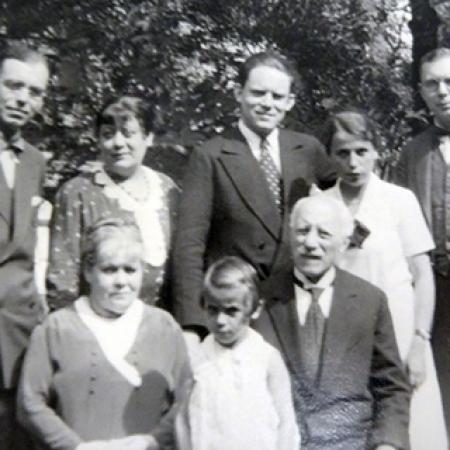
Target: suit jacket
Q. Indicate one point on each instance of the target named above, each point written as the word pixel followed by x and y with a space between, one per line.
pixel 414 168
pixel 20 309
pixel 360 398
pixel 226 208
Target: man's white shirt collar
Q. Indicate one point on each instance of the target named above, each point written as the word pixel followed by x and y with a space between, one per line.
pixel 254 142
pixel 303 297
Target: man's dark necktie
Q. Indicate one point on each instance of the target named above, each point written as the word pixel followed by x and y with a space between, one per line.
pixel 312 333
pixel 271 173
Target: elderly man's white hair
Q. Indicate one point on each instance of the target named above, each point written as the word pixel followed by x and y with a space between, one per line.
pixel 341 211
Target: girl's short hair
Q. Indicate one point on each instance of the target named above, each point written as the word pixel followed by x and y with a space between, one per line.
pixel 126 105
pixel 104 229
pixel 353 122
pixel 229 273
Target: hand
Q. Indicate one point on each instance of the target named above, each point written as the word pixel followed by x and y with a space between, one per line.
pixel 93 445
pixel 416 361
pixel 135 442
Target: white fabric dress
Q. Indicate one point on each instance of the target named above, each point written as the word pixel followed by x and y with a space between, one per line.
pixel 230 405
pixel 398 231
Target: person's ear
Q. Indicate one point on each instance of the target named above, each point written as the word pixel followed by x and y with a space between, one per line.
pixel 150 139
pixel 291 101
pixel 257 312
pixel 238 92
pixel 87 273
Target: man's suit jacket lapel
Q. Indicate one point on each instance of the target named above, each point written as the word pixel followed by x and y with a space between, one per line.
pixel 249 181
pixel 4 200
pixel 283 314
pixel 345 309
pixel 338 338
pixel 291 160
pixel 22 194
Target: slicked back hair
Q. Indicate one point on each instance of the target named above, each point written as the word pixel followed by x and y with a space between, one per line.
pixel 22 52
pixel 273 59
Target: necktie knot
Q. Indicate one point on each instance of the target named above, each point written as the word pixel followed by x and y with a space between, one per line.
pixel 271 173
pixel 315 292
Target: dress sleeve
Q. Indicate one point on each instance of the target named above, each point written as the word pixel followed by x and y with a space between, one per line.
pixel 181 373
pixel 34 396
pixel 64 257
pixel 413 230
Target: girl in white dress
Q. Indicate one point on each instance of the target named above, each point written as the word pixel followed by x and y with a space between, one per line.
pixel 394 257
pixel 240 395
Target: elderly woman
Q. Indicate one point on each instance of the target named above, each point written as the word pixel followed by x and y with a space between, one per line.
pixel 104 372
pixel 390 250
pixel 122 186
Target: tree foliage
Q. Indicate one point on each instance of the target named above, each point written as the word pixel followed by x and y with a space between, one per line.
pixel 183 55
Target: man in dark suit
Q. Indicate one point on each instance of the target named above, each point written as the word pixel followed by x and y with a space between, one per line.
pixel 424 167
pixel 23 81
pixel 240 185
pixel 335 333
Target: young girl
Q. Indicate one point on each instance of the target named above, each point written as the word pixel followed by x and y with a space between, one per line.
pixel 240 395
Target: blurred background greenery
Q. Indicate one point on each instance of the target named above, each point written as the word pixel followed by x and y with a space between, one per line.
pixel 182 55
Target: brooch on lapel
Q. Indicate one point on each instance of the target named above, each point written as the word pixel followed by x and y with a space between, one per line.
pixel 359 235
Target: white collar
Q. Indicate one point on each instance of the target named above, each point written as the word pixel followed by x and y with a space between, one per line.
pixel 114 336
pixel 254 139
pixel 369 198
pixel 325 281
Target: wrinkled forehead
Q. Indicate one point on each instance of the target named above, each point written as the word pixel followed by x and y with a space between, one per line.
pixel 33 70
pixel 317 214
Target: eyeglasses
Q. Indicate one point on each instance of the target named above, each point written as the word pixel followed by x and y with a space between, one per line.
pixel 433 86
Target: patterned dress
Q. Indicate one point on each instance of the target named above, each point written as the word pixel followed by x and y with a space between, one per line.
pixel 88 197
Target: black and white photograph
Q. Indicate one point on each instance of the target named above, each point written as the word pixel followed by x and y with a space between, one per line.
pixel 224 225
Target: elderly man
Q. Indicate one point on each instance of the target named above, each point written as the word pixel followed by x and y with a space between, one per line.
pixel 424 167
pixel 23 81
pixel 240 186
pixel 335 333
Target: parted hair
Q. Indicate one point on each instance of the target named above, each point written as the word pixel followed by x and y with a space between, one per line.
pixel 103 229
pixel 352 121
pixel 121 105
pixel 22 52
pixel 433 55
pixel 231 272
pixel 269 58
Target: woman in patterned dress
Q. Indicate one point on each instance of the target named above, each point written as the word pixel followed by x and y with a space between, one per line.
pixel 120 186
